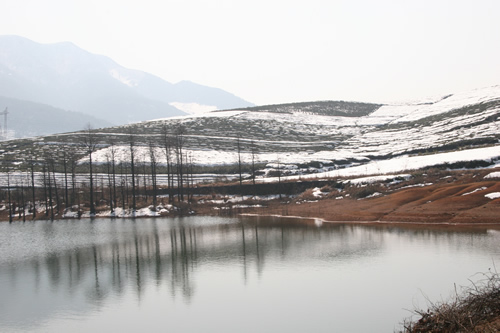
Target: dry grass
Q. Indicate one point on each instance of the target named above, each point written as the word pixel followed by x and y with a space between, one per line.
pixel 476 309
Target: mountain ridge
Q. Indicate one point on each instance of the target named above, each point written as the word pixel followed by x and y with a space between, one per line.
pixel 67 77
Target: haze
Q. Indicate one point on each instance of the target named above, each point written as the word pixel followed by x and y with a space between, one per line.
pixel 283 51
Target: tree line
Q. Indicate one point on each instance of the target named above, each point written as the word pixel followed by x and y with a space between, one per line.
pixel 53 183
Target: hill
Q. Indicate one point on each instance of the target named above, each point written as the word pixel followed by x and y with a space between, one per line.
pixel 28 119
pixel 286 147
pixel 311 139
pixel 333 134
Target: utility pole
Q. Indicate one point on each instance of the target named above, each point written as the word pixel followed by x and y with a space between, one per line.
pixel 5 113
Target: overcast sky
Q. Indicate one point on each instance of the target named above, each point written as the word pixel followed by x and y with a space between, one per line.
pixel 273 51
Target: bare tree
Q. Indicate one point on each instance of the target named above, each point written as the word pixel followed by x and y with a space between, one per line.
pixel 239 160
pixel 279 176
pixel 45 196
pixel 167 145
pixel 31 165
pixel 65 169
pixel 123 186
pixel 49 186
pixel 253 151
pixel 72 167
pixel 144 176
pixel 132 168
pixel 9 198
pixel 52 165
pixel 90 145
pixel 180 131
pixel 23 202
pixel 111 171
pixel 110 182
pixel 153 164
pixel 190 176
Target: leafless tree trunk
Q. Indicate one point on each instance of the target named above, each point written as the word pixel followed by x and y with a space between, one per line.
pixel 239 163
pixel 111 165
pixel 179 145
pixel 145 177
pixel 123 183
pixel 153 163
pixel 44 170
pixel 279 176
pixel 90 144
pixel 58 203
pixel 132 169
pixel 8 195
pixel 254 150
pixel 33 188
pixel 66 195
pixel 23 203
pixel 72 165
pixel 51 203
pixel 167 145
pixel 110 187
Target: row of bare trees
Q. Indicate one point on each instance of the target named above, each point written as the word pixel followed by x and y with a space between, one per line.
pixel 179 168
pixel 59 180
pixel 55 181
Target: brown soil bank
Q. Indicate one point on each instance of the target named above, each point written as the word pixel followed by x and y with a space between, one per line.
pixel 457 199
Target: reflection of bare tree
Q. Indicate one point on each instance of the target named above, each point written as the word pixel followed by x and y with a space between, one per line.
pixel 171 257
pixel 97 293
pixel 53 269
pixel 244 254
pixel 116 271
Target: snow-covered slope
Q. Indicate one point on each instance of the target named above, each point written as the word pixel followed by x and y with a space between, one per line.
pixel 336 135
pixel 404 112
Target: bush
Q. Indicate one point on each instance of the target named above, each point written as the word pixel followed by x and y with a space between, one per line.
pixel 364 191
pixel 477 309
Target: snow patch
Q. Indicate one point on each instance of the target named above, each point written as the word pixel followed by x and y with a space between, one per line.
pixel 493 195
pixel 123 79
pixel 316 192
pixel 193 108
pixel 493 175
pixel 476 190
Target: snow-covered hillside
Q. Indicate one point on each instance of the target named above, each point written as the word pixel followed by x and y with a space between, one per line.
pixel 322 136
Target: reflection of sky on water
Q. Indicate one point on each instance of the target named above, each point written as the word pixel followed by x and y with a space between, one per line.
pixel 76 271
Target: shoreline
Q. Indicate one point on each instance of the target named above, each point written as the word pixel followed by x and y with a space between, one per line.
pixel 447 199
pixel 263 213
pixel 377 223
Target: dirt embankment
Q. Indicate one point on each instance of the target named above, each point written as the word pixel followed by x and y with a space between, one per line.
pixel 458 198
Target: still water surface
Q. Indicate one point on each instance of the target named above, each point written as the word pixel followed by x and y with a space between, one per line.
pixel 209 274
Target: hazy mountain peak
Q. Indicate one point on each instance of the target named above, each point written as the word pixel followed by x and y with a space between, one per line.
pixel 67 77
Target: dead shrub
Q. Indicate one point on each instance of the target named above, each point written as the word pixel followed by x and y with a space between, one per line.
pixel 360 192
pixel 474 310
pixel 307 195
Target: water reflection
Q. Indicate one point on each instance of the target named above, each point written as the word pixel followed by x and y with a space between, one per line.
pixel 74 267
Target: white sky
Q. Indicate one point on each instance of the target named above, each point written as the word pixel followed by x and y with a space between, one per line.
pixel 274 51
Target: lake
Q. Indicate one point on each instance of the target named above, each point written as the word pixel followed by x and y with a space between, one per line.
pixel 213 274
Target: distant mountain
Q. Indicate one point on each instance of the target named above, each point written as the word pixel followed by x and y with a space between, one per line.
pixel 67 77
pixel 28 119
